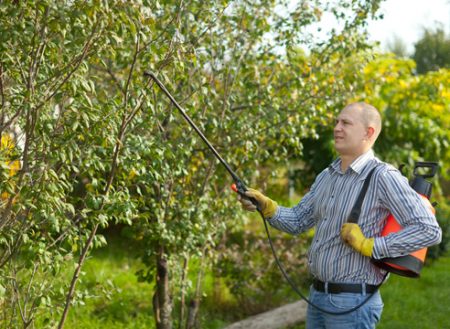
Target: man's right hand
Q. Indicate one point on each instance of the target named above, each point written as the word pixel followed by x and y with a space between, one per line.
pixel 268 206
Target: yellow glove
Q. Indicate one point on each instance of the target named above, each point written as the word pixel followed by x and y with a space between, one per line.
pixel 268 207
pixel 352 235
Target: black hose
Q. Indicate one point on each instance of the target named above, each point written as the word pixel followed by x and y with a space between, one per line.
pixel 295 288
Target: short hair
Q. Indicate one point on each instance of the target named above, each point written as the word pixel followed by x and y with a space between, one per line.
pixel 370 116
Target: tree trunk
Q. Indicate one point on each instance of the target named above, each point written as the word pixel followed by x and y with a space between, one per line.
pixel 183 292
pixel 162 304
pixel 195 302
pixel 192 313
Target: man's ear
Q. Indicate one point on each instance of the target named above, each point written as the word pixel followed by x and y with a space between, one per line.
pixel 370 132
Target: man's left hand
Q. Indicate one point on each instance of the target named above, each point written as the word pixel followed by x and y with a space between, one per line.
pixel 352 235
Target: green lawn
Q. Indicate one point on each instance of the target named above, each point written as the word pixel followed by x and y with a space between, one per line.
pixel 418 303
pixel 119 301
pixel 422 303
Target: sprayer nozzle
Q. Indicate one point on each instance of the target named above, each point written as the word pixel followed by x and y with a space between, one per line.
pixel 148 74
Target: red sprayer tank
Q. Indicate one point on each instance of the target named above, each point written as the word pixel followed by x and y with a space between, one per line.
pixel 409 265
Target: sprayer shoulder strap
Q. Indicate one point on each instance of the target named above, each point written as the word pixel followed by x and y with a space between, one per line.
pixel 356 211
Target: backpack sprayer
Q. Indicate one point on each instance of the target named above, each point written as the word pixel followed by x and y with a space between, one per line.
pixel 409 265
pixel 395 265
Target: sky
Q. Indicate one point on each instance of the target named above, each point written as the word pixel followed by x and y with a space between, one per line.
pixel 404 19
pixel 407 18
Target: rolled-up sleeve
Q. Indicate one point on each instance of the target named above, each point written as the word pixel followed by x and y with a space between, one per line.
pixel 420 227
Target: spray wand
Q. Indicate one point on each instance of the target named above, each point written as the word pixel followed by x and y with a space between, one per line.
pixel 241 188
pixel 238 185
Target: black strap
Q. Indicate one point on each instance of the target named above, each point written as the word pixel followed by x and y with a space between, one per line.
pixel 356 211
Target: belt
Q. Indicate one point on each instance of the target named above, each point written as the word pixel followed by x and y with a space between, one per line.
pixel 337 288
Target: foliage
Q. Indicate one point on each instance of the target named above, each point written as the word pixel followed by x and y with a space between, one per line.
pixel 417 104
pixel 397 46
pixel 432 51
pixel 251 273
pixel 46 100
pixel 100 145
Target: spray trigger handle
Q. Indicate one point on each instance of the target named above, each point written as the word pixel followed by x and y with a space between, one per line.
pixel 240 188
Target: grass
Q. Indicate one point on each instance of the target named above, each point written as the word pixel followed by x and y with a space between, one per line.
pixel 118 300
pixel 422 303
pixel 418 303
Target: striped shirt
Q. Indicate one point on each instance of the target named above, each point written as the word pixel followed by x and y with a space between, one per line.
pixel 328 204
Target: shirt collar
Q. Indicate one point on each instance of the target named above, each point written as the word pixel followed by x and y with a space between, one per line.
pixel 357 165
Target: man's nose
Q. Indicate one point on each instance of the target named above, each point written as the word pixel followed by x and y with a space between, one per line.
pixel 337 126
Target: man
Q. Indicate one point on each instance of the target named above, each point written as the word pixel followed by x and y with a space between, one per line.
pixel 340 253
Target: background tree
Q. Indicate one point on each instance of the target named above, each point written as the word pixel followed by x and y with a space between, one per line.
pixel 432 51
pixel 397 46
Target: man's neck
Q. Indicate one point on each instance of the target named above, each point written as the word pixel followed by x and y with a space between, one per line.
pixel 347 159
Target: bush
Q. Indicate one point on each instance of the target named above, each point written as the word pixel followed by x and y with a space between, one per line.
pixel 251 273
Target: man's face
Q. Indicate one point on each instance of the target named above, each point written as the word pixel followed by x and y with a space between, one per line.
pixel 350 133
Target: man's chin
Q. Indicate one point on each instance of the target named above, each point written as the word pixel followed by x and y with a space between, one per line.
pixel 338 146
pixel 340 149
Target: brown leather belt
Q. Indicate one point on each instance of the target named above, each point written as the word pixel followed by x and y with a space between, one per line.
pixel 337 288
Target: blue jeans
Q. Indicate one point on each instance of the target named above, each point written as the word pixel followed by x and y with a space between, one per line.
pixel 365 317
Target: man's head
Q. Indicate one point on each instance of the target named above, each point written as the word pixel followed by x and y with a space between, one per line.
pixel 357 128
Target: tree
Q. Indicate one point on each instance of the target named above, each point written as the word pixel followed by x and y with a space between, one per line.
pixel 397 46
pixel 432 51
pixel 102 146
pixel 414 109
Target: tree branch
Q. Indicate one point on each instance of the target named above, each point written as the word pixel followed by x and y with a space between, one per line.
pixel 76 275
